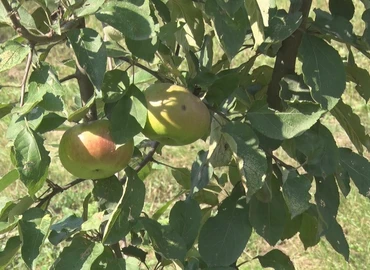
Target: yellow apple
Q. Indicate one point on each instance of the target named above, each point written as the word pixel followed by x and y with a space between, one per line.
pixel 87 151
pixel 175 115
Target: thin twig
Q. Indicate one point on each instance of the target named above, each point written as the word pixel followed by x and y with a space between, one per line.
pixel 56 189
pixel 26 72
pixel 145 161
pixel 151 72
pixel 67 78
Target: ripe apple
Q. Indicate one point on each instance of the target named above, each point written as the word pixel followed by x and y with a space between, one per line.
pixel 87 151
pixel 175 115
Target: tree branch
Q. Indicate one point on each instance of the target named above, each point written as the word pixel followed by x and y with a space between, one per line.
pixel 67 78
pixel 153 73
pixel 56 189
pixel 26 72
pixel 286 56
pixel 145 161
pixel 87 90
pixel 36 39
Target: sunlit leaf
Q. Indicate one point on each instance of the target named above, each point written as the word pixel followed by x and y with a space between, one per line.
pixel 322 63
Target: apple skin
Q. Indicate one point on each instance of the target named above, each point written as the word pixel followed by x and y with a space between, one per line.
pixel 175 116
pixel 87 151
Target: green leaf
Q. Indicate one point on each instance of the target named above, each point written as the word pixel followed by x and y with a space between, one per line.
pixel 144 49
pixel 230 29
pixel 351 123
pixel 327 200
pixel 128 209
pixel 90 52
pixel 310 232
pixel 78 114
pixel 292 226
pixel 5 109
pixel 8 179
pixel 136 252
pixel 79 255
pixel 166 205
pixel 128 117
pixel 114 85
pixel 223 238
pixel 344 8
pixel 7 227
pixel 132 21
pixel 32 160
pixel 335 27
pixel 366 18
pixel 253 163
pixel 93 223
pixel 296 193
pixel 322 63
pixel 283 125
pixel 6 204
pixel 201 172
pixel 50 121
pixel 317 151
pixel 358 169
pixel 182 177
pixel 294 90
pixel 219 153
pixel 10 250
pixel 34 228
pixel 276 259
pixel 185 217
pixel 256 21
pixel 35 96
pixel 108 192
pixel 165 240
pixel 163 10
pixel 12 54
pixel 282 25
pixel 337 239
pixel 230 6
pixel 268 219
pixel 361 78
pixel 216 93
pixel 64 229
pixel 192 16
pixel 22 205
pixel 89 7
pixel 18 123
pixel 343 180
pixel 108 261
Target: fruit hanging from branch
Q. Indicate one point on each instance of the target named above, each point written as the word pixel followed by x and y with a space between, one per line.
pixel 175 116
pixel 88 151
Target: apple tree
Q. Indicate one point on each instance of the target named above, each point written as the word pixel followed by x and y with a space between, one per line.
pixel 267 148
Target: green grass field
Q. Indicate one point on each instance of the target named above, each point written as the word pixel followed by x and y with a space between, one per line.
pixel 354 212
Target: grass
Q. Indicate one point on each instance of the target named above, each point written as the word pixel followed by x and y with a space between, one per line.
pixel 354 212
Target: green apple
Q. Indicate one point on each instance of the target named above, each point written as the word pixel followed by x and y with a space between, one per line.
pixel 175 115
pixel 87 151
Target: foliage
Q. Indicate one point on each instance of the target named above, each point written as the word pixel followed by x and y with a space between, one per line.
pixel 235 186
